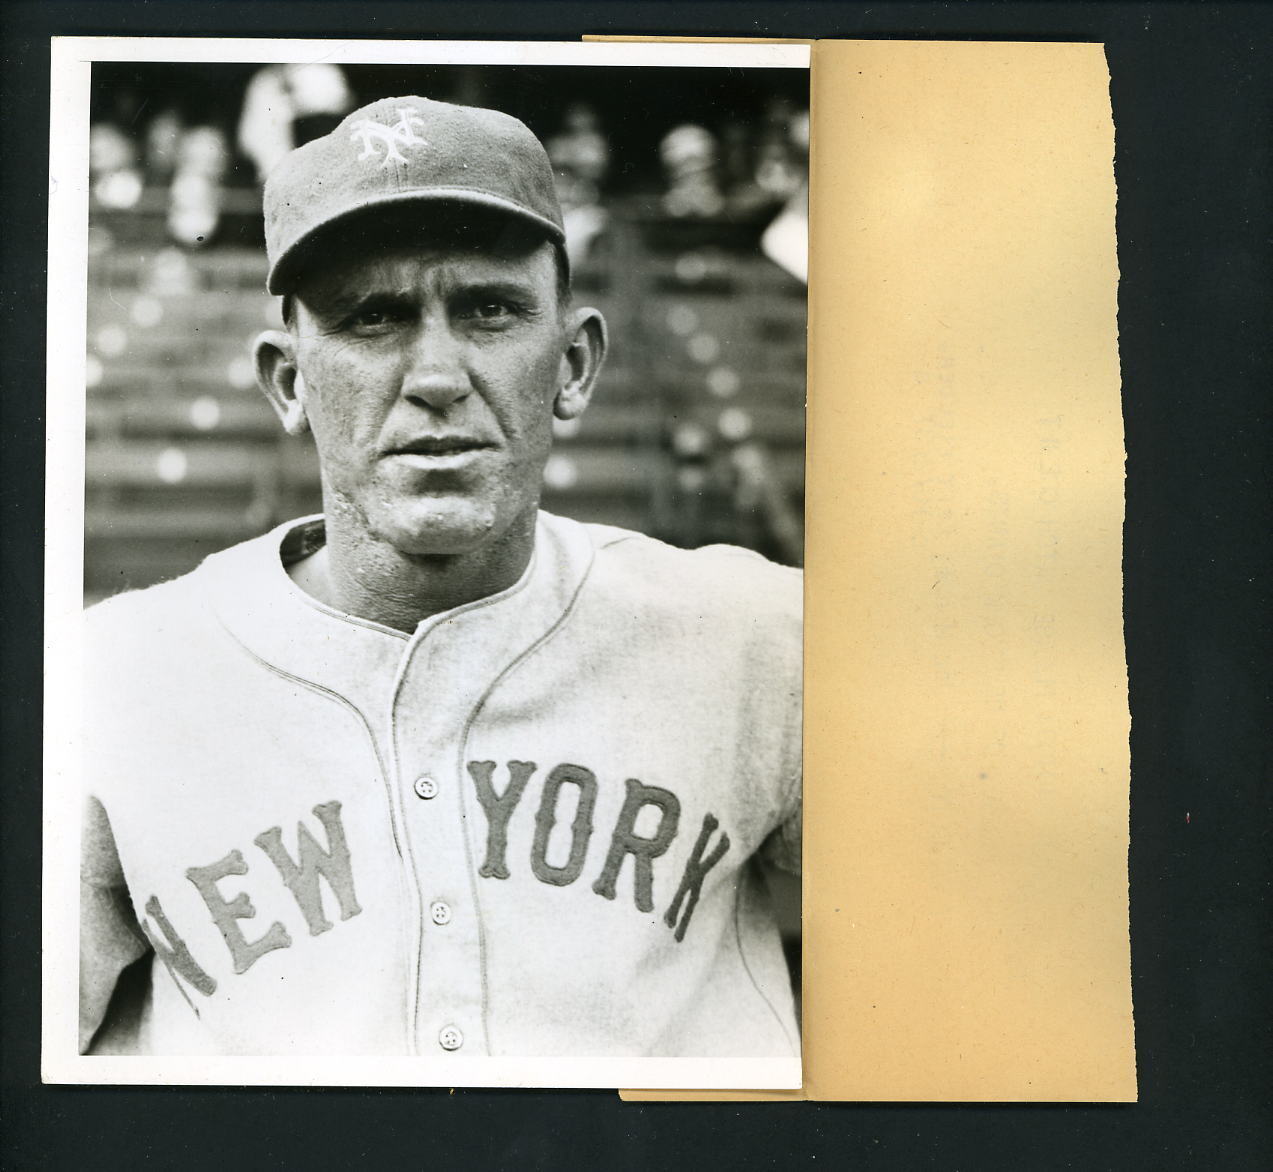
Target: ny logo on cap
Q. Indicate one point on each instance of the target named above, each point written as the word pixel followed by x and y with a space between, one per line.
pixel 390 137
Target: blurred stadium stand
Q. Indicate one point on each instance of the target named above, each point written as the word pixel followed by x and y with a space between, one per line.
pixel 695 434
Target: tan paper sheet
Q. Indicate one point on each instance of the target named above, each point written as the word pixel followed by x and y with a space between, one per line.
pixel 965 903
pixel 965 921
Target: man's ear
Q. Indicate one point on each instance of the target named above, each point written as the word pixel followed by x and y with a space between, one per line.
pixel 279 379
pixel 585 351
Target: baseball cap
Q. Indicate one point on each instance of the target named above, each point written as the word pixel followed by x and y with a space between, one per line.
pixel 400 151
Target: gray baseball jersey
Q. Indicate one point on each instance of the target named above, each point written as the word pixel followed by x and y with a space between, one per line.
pixel 530 827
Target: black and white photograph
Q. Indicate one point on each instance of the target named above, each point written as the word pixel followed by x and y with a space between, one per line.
pixel 437 418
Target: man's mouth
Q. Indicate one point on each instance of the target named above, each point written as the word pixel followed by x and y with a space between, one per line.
pixel 439 445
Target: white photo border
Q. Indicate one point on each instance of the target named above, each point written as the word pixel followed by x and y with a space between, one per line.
pixel 71 64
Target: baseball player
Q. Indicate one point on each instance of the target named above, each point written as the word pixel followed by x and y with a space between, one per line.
pixel 437 772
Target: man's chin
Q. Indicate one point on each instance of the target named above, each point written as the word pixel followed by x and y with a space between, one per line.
pixel 440 530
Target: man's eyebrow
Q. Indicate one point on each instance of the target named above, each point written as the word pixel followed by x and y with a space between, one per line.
pixel 511 287
pixel 343 300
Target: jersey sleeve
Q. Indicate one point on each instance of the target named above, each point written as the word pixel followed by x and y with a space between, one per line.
pixel 110 939
pixel 782 848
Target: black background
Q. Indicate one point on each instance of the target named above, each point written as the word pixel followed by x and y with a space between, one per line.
pixel 1192 105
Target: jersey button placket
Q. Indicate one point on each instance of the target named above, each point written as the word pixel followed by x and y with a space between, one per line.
pixel 436 690
pixel 448 1001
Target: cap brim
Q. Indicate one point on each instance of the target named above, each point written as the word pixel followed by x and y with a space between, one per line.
pixel 289 262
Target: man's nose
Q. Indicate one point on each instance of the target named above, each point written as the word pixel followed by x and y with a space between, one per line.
pixel 436 375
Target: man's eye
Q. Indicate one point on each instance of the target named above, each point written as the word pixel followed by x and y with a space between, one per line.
pixel 373 317
pixel 490 311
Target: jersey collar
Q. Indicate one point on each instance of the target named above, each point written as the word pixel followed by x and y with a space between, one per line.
pixel 275 621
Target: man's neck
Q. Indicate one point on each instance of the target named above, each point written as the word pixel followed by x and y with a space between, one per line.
pixel 370 579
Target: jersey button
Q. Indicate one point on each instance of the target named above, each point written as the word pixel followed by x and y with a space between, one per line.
pixel 440 912
pixel 450 1038
pixel 425 787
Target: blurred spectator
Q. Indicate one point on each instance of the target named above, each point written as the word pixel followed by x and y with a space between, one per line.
pixel 194 207
pixel 288 105
pixel 580 157
pixel 112 164
pixel 745 197
pixel 691 167
pixel 163 145
pixel 778 171
pixel 799 135
pixel 786 240
pixel 579 148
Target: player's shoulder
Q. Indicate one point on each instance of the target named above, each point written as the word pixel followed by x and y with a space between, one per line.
pixel 173 608
pixel 141 647
pixel 169 621
pixel 148 638
pixel 650 572
pixel 149 610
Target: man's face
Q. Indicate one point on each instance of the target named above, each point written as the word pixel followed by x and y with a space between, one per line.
pixel 428 374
